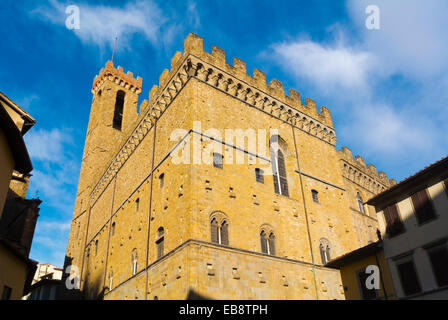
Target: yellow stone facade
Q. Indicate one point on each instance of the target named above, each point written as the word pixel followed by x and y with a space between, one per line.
pixel 130 187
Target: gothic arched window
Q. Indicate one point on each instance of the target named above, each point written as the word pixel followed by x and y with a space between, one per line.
pixel 279 167
pixel 360 203
pixel 267 239
pixel 219 229
pixel 118 112
pixel 324 248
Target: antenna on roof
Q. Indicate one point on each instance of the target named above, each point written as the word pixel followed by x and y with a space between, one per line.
pixel 115 45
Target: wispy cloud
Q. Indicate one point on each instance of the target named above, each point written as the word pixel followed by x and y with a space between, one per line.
pixel 48 145
pixel 53 180
pixel 100 24
pixel 390 84
pixel 328 66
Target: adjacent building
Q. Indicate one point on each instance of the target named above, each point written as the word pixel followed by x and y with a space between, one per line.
pixel 18 215
pixel 219 185
pixel 413 219
pixel 357 269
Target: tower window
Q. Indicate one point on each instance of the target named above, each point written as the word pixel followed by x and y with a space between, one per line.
pixel 324 248
pixel 96 247
pixel 137 204
pixel 113 228
pixel 259 175
pixel 217 160
pixel 279 172
pixel 162 180
pixel 267 242
pixel 219 231
pixel 159 242
pixel 111 276
pixel 134 261
pixel 360 203
pixel 315 195
pixel 118 112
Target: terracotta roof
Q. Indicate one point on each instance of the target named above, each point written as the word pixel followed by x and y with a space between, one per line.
pixel 410 178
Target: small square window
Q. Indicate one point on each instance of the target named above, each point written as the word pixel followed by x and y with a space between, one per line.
pixel 217 160
pixel 259 175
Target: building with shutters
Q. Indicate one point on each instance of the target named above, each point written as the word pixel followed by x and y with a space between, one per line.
pixel 218 185
pixel 413 220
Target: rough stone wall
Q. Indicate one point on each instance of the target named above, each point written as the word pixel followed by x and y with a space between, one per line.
pixel 365 180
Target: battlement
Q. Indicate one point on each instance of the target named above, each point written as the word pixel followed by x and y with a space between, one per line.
pixel 117 75
pixel 194 45
pixel 355 167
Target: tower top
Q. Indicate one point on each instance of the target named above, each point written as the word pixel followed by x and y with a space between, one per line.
pixel 126 80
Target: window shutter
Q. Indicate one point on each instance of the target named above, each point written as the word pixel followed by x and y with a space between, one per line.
pixel 225 233
pixel 439 261
pixel 264 247
pixel 445 182
pixel 424 210
pixel 409 278
pixel 393 221
pixel 214 230
pixel 272 244
pixel 367 294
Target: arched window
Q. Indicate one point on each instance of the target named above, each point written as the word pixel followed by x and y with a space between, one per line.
pixel 360 203
pixel 324 248
pixel 96 247
pixel 113 228
pixel 118 112
pixel 134 261
pixel 267 239
pixel 315 196
pixel 278 167
pixel 219 229
pixel 159 242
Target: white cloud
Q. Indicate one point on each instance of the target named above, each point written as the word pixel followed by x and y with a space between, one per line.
pixel 47 145
pixel 100 24
pixel 331 66
pixel 390 84
pixel 382 129
pixel 412 36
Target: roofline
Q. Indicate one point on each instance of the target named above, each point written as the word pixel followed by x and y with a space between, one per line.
pixel 355 255
pixel 22 161
pixel 17 108
pixel 409 182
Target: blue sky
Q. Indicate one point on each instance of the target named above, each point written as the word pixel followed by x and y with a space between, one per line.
pixel 386 88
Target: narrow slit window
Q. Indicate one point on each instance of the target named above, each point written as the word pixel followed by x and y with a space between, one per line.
pixel 118 112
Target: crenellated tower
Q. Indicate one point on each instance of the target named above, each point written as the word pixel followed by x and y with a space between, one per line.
pixel 113 110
